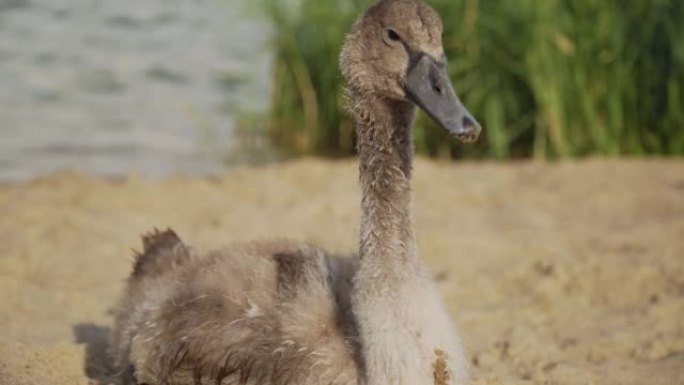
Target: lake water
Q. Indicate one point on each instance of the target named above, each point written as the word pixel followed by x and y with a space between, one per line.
pixel 111 87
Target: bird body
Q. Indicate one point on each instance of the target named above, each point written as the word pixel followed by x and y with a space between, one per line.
pixel 260 312
pixel 286 313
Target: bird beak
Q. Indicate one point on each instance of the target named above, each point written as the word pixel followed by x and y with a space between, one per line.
pixel 429 87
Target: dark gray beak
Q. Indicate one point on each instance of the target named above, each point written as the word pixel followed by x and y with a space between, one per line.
pixel 429 87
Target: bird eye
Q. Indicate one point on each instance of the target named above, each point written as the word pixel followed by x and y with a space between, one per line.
pixel 393 35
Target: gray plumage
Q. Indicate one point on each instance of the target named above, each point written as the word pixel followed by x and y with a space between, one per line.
pixel 284 312
pixel 262 312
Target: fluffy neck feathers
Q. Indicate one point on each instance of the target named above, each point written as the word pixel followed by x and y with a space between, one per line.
pixel 385 150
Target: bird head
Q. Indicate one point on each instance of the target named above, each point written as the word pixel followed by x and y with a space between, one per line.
pixel 395 51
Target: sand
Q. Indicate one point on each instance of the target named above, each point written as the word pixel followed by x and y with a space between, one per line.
pixel 556 273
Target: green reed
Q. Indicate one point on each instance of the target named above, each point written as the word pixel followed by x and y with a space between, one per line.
pixel 558 78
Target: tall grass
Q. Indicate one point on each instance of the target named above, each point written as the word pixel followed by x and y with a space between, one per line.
pixel 557 78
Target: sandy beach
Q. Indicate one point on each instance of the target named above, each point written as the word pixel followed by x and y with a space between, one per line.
pixel 555 273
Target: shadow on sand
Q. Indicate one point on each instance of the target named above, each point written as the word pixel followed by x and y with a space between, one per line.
pixel 98 365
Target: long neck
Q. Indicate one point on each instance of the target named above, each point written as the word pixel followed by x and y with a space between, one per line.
pixel 385 150
pixel 388 280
